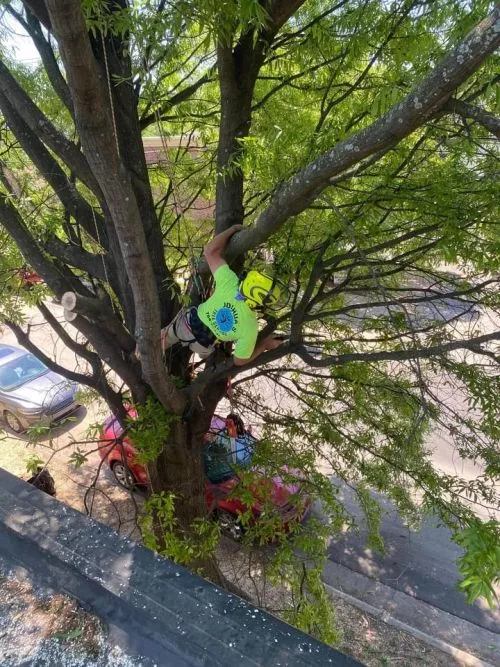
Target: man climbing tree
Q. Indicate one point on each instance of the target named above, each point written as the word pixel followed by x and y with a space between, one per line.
pixel 356 141
pixel 228 315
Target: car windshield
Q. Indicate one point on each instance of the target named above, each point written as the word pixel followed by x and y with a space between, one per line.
pixel 19 371
pixel 221 454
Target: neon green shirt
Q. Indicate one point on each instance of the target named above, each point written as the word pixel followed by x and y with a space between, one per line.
pixel 228 316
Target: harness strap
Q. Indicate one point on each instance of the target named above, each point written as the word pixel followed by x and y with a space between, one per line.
pixel 174 328
pixel 203 335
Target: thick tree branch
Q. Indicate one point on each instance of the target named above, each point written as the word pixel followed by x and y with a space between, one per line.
pixel 15 226
pixel 227 369
pixel 41 126
pixel 95 125
pixel 114 64
pixel 9 180
pixel 413 111
pixel 39 9
pixel 66 191
pixel 76 256
pixel 279 12
pixel 238 71
pixel 108 350
pixel 484 118
pixel 301 33
pixel 397 355
pixel 105 346
pixel 99 311
pixel 75 205
pixel 33 28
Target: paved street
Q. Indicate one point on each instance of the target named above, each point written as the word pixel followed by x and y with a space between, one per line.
pixel 421 564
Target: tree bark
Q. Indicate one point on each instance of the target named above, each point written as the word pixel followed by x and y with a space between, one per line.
pixel 41 126
pixel 484 118
pixel 238 71
pixel 236 81
pixel 33 27
pixel 95 124
pixel 425 101
pixel 67 193
pixel 105 346
pixel 116 67
pixel 100 311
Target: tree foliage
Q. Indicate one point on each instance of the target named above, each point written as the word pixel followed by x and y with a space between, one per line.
pixel 358 142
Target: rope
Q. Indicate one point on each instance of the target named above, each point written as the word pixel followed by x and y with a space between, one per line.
pixel 194 260
pixel 110 93
pixel 99 242
pixel 105 269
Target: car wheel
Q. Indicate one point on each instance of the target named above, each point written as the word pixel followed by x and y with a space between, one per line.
pixel 123 476
pixel 13 422
pixel 229 525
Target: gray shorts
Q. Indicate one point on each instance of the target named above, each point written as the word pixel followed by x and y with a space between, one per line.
pixel 179 331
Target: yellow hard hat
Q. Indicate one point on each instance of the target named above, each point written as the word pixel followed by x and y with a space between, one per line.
pixel 259 289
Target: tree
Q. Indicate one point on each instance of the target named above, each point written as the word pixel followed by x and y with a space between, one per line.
pixel 355 141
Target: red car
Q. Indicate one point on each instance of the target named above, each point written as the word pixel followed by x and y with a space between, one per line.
pixel 225 444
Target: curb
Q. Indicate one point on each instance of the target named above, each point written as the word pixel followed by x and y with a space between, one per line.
pixel 464 658
pixel 471 638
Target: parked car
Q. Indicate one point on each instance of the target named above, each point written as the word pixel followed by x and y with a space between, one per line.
pixel 30 393
pixel 224 446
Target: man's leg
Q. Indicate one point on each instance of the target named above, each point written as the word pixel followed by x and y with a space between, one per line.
pixel 179 331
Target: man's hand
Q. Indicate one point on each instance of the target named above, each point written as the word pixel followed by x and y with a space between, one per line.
pixel 271 343
pixel 214 250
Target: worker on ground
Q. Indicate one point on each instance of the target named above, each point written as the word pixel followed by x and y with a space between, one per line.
pixel 229 313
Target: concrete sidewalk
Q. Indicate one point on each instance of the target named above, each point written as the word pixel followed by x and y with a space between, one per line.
pixel 421 563
pixel 428 623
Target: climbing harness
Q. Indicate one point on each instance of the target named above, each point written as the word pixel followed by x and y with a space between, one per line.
pixel 197 330
pixel 203 335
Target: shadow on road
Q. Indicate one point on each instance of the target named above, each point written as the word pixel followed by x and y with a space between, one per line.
pixel 420 563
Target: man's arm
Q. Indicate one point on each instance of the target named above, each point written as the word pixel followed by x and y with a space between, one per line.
pixel 214 250
pixel 268 343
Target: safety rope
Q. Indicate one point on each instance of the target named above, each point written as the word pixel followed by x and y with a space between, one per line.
pixel 110 93
pixel 194 260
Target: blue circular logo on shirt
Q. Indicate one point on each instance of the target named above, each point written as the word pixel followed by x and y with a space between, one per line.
pixel 225 319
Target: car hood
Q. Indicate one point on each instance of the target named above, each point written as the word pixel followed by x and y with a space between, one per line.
pixel 275 488
pixel 47 390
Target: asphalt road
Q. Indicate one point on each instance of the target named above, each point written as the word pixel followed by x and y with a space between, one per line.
pixel 421 564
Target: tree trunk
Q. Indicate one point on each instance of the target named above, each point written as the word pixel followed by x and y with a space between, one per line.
pixel 237 81
pixel 180 470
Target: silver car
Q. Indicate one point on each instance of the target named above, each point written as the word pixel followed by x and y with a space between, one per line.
pixel 30 393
